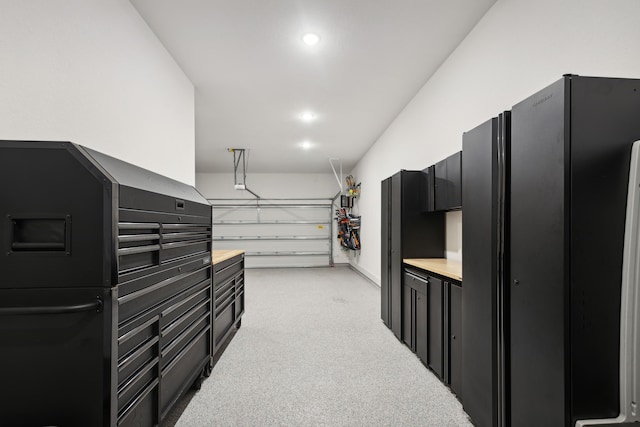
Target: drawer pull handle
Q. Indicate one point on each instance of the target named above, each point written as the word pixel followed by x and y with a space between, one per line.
pixel 96 305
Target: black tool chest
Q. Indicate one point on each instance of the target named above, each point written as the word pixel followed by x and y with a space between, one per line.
pixel 228 295
pixel 105 290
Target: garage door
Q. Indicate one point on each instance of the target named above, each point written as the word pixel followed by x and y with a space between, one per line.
pixel 275 233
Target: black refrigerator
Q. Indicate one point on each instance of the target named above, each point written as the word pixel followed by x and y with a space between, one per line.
pixel 543 262
pixel 485 174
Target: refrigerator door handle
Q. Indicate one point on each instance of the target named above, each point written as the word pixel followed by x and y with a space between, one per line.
pixel 96 305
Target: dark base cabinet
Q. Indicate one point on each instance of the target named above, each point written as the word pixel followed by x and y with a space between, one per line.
pixel 432 314
pixel 228 296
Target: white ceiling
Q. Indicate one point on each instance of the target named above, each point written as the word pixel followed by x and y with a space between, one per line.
pixel 253 75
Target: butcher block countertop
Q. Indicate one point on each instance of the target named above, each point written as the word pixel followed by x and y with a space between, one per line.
pixel 224 254
pixel 445 267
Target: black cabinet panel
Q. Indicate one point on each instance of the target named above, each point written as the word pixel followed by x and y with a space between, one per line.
pixel 455 339
pixel 454 178
pixel 422 321
pixel 385 226
pixel 396 254
pixel 408 321
pixel 431 186
pixel 435 325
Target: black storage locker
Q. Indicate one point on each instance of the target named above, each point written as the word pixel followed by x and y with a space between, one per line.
pixel 105 289
pixel 410 232
pixel 570 154
pixel 484 250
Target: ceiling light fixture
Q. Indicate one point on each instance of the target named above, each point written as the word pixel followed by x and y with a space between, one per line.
pixel 307 116
pixel 305 145
pixel 311 39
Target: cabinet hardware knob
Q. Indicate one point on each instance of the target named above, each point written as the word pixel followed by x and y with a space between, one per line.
pixel 516 282
pixel 453 336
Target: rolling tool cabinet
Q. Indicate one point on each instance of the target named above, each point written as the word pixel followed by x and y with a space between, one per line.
pixel 228 295
pixel 105 288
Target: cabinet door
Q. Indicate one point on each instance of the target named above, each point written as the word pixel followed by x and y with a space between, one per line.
pixel 455 339
pixel 480 245
pixel 448 183
pixel 421 326
pixel 454 181
pixel 440 185
pixel 431 187
pixel 538 249
pixel 407 312
pixel 435 313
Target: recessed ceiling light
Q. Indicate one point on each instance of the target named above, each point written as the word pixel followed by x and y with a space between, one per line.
pixel 305 145
pixel 311 39
pixel 307 116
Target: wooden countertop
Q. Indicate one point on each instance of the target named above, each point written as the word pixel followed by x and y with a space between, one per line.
pixel 220 255
pixel 446 267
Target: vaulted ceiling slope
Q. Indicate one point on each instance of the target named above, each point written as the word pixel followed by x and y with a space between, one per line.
pixel 254 76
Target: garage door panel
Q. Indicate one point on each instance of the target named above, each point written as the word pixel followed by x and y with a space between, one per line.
pixel 295 233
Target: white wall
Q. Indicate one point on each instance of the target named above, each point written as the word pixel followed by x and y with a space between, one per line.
pixel 92 72
pixel 276 186
pixel 519 47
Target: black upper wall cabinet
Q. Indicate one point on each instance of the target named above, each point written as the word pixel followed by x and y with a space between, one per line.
pixel 448 183
pixel 570 155
pixel 444 184
pixel 408 231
